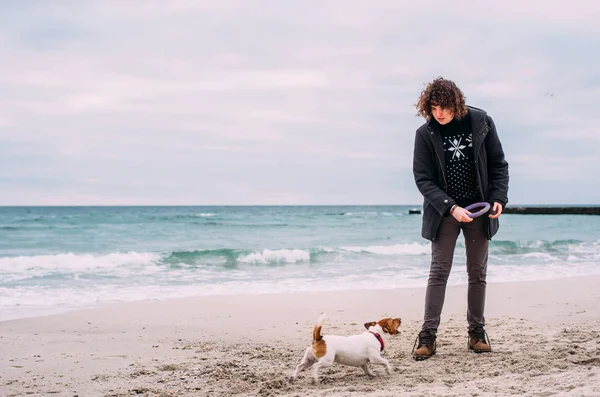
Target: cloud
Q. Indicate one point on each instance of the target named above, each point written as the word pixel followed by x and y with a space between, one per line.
pixel 269 102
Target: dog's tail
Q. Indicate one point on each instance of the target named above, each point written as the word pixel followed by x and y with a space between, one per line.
pixel 317 330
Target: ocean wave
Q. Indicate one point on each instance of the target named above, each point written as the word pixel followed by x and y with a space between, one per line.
pixel 292 255
pixel 210 221
pixel 10 228
pixel 540 247
pixel 364 213
pixel 397 249
pixel 121 265
pixel 27 300
pixel 27 267
pixel 276 256
pixel 234 257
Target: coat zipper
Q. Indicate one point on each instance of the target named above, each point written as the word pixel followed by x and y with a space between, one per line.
pixel 485 127
pixel 476 154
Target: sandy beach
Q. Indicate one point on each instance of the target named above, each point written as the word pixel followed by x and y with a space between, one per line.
pixel 545 336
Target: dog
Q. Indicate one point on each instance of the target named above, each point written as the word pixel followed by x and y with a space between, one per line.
pixel 356 350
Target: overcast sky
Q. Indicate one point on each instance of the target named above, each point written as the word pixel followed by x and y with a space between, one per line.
pixel 285 102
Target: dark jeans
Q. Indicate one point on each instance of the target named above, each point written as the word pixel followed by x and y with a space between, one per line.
pixel 442 252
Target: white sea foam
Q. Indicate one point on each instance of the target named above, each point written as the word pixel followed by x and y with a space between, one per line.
pixel 276 256
pixel 143 275
pixel 539 255
pixel 397 249
pixel 37 300
pixel 22 267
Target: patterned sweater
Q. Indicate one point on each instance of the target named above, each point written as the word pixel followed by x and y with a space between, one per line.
pixel 460 165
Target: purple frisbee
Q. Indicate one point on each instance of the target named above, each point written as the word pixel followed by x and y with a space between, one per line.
pixel 484 208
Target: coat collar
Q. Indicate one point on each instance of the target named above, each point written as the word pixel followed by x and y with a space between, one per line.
pixel 478 129
pixel 477 119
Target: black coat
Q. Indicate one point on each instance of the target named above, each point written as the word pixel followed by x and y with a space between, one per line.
pixel 491 171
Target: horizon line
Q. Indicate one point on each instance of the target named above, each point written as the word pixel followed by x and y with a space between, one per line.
pixel 265 205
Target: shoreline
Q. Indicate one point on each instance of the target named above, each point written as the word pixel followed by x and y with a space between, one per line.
pixel 248 345
pixel 414 288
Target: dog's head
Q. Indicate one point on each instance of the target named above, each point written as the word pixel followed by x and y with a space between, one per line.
pixel 388 325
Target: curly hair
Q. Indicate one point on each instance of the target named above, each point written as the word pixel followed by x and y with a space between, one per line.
pixel 444 93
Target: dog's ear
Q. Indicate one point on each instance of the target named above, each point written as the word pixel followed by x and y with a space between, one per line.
pixel 385 327
pixel 372 323
pixel 390 325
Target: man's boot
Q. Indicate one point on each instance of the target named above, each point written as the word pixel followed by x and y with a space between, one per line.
pixel 479 341
pixel 426 346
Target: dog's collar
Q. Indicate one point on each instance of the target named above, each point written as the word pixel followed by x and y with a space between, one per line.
pixel 378 338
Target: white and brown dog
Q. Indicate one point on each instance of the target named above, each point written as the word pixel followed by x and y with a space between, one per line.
pixel 355 350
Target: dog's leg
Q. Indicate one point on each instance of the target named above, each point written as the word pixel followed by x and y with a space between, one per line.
pixel 306 362
pixel 368 371
pixel 382 361
pixel 324 362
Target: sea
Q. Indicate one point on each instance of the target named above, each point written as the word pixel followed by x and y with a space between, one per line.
pixel 59 259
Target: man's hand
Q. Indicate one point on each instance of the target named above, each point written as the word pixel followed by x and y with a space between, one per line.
pixel 461 214
pixel 496 210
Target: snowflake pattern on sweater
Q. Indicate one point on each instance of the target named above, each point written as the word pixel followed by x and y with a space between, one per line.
pixel 460 168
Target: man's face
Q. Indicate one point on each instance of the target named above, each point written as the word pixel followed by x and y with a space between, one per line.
pixel 442 116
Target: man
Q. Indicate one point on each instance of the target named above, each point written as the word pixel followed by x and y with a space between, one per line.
pixel 458 161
